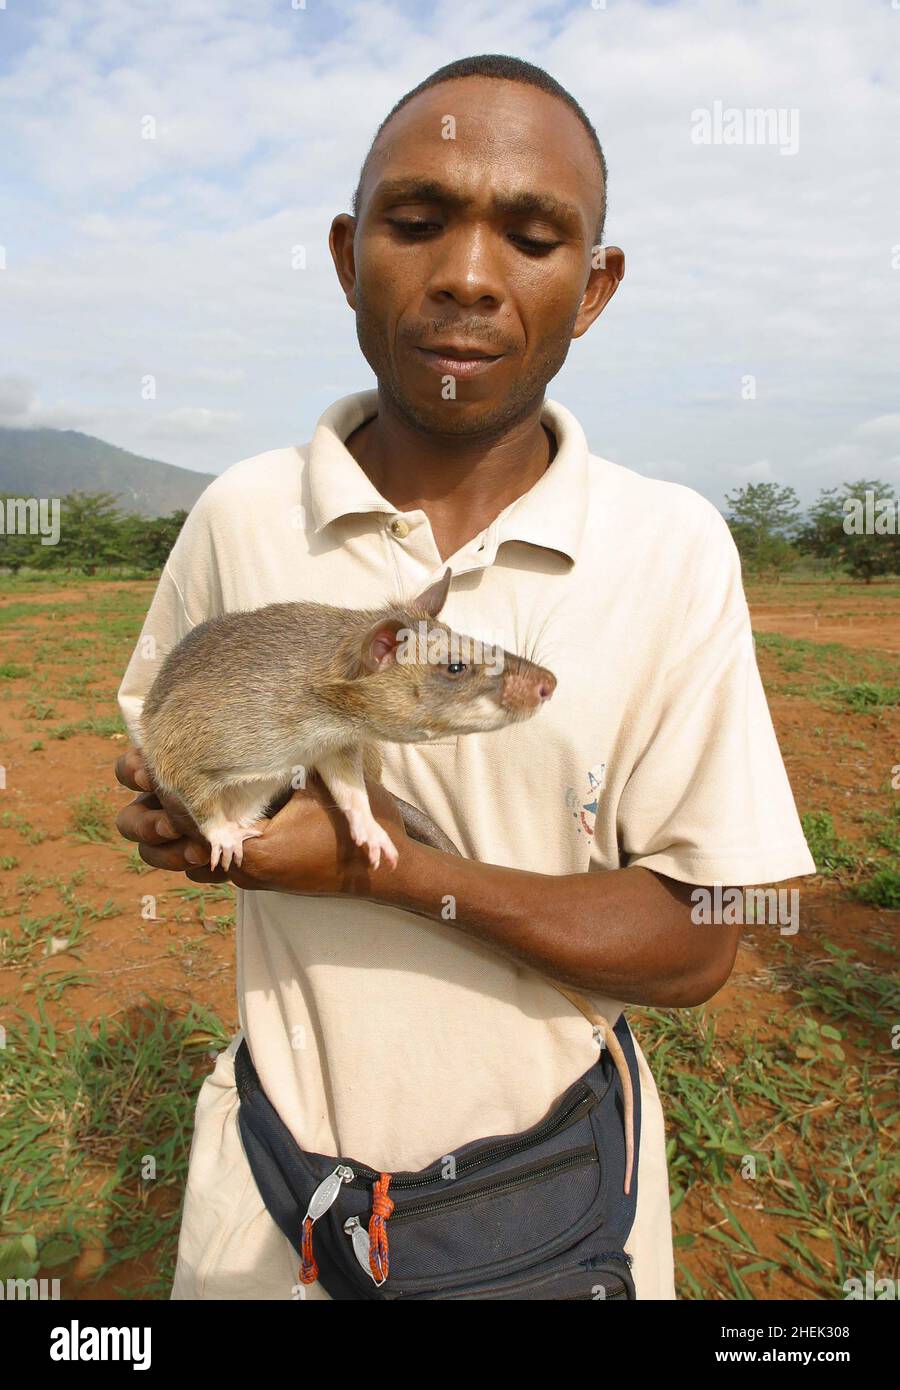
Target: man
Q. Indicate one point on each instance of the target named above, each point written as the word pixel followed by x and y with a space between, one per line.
pixel 381 1025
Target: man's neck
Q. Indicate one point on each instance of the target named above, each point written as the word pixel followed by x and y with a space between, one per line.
pixel 461 484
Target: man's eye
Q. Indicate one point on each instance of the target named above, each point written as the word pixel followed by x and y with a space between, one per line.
pixel 418 228
pixel 414 228
pixel 533 246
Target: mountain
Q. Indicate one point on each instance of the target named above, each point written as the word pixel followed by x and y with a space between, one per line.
pixel 50 463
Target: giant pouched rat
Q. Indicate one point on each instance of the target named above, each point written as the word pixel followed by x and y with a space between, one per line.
pixel 245 701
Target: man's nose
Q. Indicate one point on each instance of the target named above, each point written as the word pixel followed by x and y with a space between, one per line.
pixel 466 269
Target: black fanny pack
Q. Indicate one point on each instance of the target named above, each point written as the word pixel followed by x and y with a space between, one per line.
pixel 543 1214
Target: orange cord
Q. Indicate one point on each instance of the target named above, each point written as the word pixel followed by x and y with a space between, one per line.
pixel 382 1206
pixel 309 1270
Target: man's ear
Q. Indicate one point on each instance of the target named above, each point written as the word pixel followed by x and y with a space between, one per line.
pixel 434 597
pixel 340 243
pixel 607 270
pixel 378 648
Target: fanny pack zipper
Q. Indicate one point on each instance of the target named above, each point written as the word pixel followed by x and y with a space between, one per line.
pixel 577 1159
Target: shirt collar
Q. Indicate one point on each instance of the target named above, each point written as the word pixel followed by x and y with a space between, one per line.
pixel 551 514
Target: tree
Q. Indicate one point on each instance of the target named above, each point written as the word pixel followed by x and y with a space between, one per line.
pixel 829 533
pixel 148 540
pixel 20 541
pixel 764 521
pixel 90 533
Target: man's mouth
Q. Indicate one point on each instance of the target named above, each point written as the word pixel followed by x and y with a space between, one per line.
pixel 460 360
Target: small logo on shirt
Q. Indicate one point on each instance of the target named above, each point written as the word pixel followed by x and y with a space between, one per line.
pixel 583 803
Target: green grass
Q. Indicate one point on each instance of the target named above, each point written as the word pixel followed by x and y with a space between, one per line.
pixel 864 873
pixel 90 818
pixel 881 890
pixel 832 855
pixel 29 833
pixel 37 709
pixel 884 827
pixel 38 937
pixel 48 581
pixel 104 726
pixel 843 987
pixel 744 1117
pixel 864 695
pixel 833 676
pixel 13 614
pixel 135 864
pixel 97 1104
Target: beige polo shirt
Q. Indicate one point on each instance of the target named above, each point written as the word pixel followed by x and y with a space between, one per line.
pixel 393 1039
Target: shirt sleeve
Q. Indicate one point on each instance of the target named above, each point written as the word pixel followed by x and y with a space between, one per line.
pixel 708 800
pixel 188 593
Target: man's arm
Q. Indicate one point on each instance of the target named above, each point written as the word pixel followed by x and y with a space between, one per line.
pixel 624 933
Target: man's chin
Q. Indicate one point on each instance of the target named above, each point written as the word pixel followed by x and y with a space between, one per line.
pixel 458 418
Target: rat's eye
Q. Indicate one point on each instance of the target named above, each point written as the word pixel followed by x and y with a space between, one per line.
pixel 456 668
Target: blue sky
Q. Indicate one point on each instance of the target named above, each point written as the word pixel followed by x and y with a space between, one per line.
pixel 170 257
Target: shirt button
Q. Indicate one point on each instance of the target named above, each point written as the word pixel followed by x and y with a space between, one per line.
pixel 398 527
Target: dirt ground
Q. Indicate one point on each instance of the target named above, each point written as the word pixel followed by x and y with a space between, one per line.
pixel 147 939
pixel 866 617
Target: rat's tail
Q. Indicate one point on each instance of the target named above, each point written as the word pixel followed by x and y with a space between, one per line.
pixel 422 828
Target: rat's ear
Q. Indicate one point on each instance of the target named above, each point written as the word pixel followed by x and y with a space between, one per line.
pixel 434 597
pixel 378 648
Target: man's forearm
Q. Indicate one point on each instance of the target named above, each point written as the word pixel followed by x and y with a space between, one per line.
pixel 625 933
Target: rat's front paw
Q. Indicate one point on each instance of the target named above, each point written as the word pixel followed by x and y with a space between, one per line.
pixel 369 835
pixel 226 842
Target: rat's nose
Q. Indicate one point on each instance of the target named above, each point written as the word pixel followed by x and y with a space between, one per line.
pixel 526 687
pixel 546 685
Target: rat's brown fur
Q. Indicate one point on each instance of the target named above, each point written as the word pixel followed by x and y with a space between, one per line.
pixel 247 700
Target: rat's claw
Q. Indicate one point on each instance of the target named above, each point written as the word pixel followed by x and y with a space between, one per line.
pixel 378 841
pixel 368 834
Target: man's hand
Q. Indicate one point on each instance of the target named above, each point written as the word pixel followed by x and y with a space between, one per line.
pixel 153 819
pixel 304 848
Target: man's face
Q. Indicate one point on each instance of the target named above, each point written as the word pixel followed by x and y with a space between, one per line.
pixel 471 256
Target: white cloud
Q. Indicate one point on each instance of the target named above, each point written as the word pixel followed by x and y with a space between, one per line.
pixel 187 422
pixel 760 471
pixel 885 427
pixel 17 398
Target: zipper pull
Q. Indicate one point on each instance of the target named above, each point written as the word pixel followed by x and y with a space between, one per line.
pixel 371 1246
pixel 324 1197
pixel 357 1232
pixel 326 1193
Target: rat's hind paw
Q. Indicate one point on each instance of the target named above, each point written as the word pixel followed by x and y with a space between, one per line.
pixel 369 835
pixel 226 842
